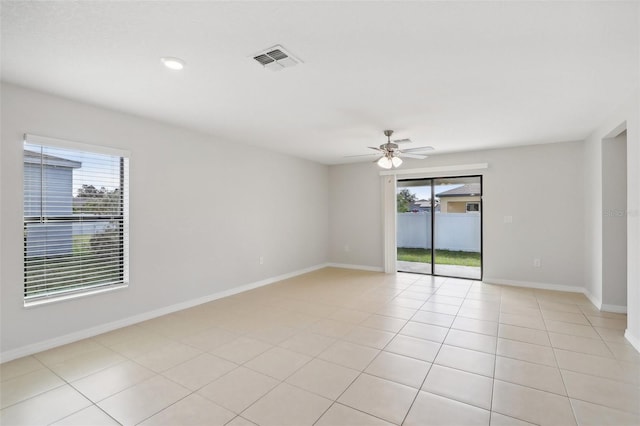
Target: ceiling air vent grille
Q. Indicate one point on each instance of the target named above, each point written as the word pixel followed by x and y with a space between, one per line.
pixel 276 58
pixel 278 54
pixel 264 59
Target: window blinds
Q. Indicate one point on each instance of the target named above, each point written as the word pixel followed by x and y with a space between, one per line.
pixel 75 220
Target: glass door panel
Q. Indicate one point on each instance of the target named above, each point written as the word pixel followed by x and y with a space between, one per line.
pixel 413 232
pixel 445 213
pixel 457 227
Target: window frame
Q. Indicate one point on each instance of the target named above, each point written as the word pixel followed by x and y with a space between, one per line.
pixel 123 216
pixel 477 203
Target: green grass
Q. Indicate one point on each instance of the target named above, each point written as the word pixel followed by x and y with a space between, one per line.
pixel 443 257
pixel 81 244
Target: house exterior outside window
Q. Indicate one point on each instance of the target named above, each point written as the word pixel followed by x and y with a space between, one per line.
pixel 459 200
pixel 54 198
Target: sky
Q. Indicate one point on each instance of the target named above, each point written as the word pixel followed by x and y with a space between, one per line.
pixel 424 192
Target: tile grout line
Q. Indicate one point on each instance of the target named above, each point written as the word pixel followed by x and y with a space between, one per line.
pixel 375 311
pixel 360 373
pixel 67 383
pixel 562 376
pixel 384 347
pixel 404 419
pixel 495 361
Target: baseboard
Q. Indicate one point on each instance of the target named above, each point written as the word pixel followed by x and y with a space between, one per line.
pixel 616 309
pixel 358 267
pixel 593 299
pixel 104 328
pixel 635 342
pixel 536 285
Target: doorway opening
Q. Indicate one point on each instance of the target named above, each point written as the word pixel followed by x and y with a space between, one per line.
pixel 614 222
pixel 439 226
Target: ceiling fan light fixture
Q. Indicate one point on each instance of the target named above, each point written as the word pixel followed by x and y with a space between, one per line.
pixel 385 162
pixel 391 153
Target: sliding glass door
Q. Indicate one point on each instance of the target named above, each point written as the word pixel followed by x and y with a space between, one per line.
pixel 440 213
pixel 413 236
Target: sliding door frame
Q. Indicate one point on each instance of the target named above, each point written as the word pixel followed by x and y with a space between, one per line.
pixel 432 180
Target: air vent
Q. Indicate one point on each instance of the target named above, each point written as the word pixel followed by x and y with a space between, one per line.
pixel 278 54
pixel 264 59
pixel 276 58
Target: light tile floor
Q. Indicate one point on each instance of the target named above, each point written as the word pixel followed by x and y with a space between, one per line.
pixel 340 347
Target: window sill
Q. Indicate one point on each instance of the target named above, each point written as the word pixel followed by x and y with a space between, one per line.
pixel 66 297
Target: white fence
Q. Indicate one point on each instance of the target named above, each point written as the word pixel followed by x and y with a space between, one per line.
pixel 57 238
pixel 453 231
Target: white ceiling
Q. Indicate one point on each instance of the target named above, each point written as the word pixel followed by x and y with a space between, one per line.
pixel 454 75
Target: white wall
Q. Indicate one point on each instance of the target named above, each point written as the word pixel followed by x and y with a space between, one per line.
pixel 553 192
pixel 355 215
pixel 198 224
pixel 614 221
pixel 540 186
pixel 627 117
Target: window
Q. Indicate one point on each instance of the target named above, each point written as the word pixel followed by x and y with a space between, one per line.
pixel 473 207
pixel 75 219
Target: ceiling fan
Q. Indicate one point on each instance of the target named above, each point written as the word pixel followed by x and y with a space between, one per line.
pixel 392 154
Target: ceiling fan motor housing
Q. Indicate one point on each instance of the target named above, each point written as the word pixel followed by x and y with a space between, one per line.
pixel 389 146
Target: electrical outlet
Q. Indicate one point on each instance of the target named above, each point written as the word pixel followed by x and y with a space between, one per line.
pixel 261 260
pixel 537 263
pixel 347 248
pixel 508 219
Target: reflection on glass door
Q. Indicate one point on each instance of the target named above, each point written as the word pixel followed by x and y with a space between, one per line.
pixel 445 214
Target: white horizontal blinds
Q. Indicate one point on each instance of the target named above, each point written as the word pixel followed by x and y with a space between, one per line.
pixel 75 220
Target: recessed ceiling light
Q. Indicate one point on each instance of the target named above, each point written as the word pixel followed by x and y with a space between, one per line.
pixel 173 63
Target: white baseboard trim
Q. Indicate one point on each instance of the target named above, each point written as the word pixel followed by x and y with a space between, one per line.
pixel 103 328
pixel 616 309
pixel 536 285
pixel 635 342
pixel 358 267
pixel 593 299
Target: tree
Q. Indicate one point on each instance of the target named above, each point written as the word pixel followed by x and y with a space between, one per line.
pixel 105 243
pixel 101 202
pixel 91 200
pixel 404 200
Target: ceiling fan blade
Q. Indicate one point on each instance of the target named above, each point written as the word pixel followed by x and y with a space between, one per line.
pixel 405 155
pixel 419 149
pixel 402 141
pixel 361 155
pixel 374 147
